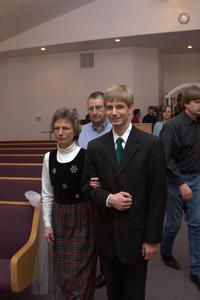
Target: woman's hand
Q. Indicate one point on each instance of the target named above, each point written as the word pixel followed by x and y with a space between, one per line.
pixel 48 234
pixel 94 182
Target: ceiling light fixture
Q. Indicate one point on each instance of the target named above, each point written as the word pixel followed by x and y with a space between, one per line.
pixel 43 49
pixel 184 18
pixel 117 40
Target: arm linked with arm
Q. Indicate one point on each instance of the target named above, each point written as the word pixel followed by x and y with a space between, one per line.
pixel 97 195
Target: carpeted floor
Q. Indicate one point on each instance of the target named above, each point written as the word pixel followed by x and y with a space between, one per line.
pixel 163 283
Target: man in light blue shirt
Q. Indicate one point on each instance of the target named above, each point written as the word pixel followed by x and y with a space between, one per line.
pixel 99 124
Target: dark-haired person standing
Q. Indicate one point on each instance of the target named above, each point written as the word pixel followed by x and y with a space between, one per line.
pixel 150 117
pixel 181 138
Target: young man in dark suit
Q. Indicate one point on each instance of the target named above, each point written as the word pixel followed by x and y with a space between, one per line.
pixel 129 165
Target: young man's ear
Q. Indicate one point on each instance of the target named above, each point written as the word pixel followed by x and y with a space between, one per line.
pixel 131 108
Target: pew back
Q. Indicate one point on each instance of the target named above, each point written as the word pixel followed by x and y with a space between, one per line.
pixel 13 188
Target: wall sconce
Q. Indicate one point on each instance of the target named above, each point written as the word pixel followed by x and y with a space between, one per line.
pixel 184 18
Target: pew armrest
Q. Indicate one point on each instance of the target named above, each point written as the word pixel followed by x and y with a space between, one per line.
pixel 23 262
pixel 147 127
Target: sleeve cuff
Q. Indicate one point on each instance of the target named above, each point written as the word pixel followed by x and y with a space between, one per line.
pixel 107 201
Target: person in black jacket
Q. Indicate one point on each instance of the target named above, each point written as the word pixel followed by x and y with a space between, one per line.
pixel 150 117
pixel 130 199
pixel 181 139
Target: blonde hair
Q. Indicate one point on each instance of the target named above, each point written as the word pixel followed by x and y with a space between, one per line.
pixel 119 92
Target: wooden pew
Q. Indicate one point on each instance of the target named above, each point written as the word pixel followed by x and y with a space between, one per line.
pixel 13 188
pixel 18 245
pixel 25 150
pixel 21 158
pixel 28 145
pixel 19 220
pixel 147 127
pixel 20 170
pixel 27 141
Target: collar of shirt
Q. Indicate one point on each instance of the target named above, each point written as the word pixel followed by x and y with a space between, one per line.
pixel 104 125
pixel 124 136
pixel 68 149
pixel 65 155
pixel 189 119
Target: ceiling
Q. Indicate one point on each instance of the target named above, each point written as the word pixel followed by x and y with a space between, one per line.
pixel 17 16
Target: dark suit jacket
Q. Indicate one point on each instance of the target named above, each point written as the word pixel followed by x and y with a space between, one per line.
pixel 141 173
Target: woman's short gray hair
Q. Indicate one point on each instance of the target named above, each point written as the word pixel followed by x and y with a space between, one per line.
pixel 69 114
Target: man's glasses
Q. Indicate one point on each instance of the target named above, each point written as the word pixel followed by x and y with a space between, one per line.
pixel 97 108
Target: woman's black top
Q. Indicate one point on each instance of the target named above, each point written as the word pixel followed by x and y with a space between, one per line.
pixel 66 178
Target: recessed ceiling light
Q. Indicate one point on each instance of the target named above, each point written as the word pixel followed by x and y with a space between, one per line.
pixel 117 40
pixel 43 49
pixel 189 46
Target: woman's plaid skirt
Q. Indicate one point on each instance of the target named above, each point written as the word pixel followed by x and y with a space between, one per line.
pixel 74 256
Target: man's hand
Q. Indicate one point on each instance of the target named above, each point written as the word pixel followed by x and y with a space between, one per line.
pixel 120 201
pixel 94 182
pixel 48 234
pixel 149 250
pixel 186 192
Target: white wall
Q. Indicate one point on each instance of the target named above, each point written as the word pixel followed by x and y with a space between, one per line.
pixel 1 107
pixel 179 69
pixel 161 78
pixel 36 86
pixel 146 82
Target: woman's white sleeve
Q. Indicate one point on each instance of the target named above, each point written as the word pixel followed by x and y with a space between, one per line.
pixel 47 193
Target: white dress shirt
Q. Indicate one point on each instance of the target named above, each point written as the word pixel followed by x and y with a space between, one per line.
pixel 125 138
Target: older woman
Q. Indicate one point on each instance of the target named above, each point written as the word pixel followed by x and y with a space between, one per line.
pixel 68 217
pixel 166 114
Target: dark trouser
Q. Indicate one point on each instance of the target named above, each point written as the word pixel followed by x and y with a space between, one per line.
pixel 175 209
pixel 101 266
pixel 124 281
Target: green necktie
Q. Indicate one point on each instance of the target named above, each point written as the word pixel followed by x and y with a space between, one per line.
pixel 119 149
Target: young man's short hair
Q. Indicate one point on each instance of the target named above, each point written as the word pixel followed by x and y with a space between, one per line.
pixel 190 93
pixel 119 92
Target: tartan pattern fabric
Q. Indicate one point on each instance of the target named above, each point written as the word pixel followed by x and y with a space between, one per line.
pixel 74 256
